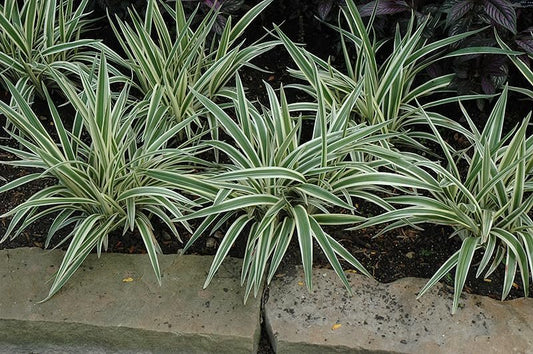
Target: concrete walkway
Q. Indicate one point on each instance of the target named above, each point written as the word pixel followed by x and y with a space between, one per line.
pixel 113 304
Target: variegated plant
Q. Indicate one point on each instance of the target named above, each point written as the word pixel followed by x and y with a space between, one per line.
pixel 99 167
pixel 277 186
pixel 489 205
pixel 182 57
pixel 521 65
pixel 390 88
pixel 42 36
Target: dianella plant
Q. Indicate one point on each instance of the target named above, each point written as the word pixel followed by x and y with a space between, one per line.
pixel 99 167
pixel 278 186
pixel 38 37
pixel 390 87
pixel 488 204
pixel 182 57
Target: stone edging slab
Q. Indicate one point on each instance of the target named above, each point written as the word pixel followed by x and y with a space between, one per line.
pixel 387 318
pixel 114 304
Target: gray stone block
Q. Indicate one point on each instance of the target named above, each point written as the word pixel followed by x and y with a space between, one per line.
pixel 114 304
pixel 387 318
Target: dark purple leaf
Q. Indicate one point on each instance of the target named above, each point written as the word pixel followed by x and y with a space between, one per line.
pixel 384 7
pixel 434 70
pixel 219 24
pixel 482 17
pixel 211 4
pixel 487 86
pixel 500 80
pixel 526 45
pixel 324 8
pixel 495 65
pixel 523 3
pixel 461 71
pixel 459 26
pixel 462 87
pixel 493 71
pixel 458 10
pixel 231 6
pixel 501 12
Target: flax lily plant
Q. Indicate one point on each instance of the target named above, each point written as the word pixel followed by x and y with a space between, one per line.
pixel 277 186
pixel 182 57
pixel 489 206
pixel 43 36
pixel 390 89
pixel 100 184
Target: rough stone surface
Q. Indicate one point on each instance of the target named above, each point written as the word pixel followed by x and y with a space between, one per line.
pixel 387 318
pixel 114 304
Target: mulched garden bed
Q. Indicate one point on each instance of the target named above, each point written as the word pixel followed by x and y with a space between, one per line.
pixel 402 253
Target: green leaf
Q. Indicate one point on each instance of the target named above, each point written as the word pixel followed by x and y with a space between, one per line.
pixel 282 244
pixel 247 19
pixel 145 229
pixel 238 203
pixel 84 239
pixel 231 127
pixel 464 260
pixel 329 251
pixel 490 246
pixel 337 219
pixel 20 181
pixel 381 178
pixel 515 253
pixel 510 271
pixel 323 194
pixel 191 183
pixel 441 272
pixel 479 51
pixel 69 46
pixel 14 35
pixel 347 256
pixel 261 173
pixel 305 240
pixel 229 239
pixel 139 192
pixel 522 66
